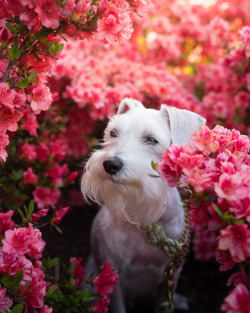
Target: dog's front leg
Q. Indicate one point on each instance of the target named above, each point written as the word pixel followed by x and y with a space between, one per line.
pixel 117 300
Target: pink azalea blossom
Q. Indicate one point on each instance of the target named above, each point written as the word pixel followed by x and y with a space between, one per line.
pixel 36 216
pixel 30 124
pixel 78 271
pixel 29 177
pixel 238 301
pixel 7 96
pixel 48 13
pixel 239 278
pixel 43 152
pixel 4 141
pixel 57 173
pixel 236 239
pixel 6 222
pixel 36 244
pixel 41 98
pixel 28 151
pixel 44 197
pixel 102 305
pixel 59 215
pixel 5 302
pixel 16 241
pixel 46 309
pixel 106 280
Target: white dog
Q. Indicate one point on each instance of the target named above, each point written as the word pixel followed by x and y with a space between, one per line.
pixel 118 178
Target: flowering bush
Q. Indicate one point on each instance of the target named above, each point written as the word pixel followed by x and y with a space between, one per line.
pixel 54 103
pixel 215 165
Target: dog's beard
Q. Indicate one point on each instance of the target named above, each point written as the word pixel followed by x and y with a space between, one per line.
pixel 129 198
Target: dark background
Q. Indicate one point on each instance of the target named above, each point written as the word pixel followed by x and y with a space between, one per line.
pixel 201 282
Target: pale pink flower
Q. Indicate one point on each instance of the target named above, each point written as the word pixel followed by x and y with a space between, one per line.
pixel 238 301
pixel 36 244
pixel 40 98
pixel 29 177
pixel 236 239
pixel 16 241
pixel 59 215
pixel 46 309
pixel 7 96
pixel 4 141
pixel 44 197
pixel 6 222
pixel 5 302
pixel 48 13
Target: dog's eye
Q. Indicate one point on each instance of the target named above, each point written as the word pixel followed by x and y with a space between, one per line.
pixel 113 133
pixel 151 140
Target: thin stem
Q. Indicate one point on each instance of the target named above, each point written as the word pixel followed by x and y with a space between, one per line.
pixel 7 72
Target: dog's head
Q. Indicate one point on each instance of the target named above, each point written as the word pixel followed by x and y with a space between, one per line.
pixel 118 175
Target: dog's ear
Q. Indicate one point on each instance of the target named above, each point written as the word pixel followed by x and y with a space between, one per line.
pixel 129 104
pixel 182 123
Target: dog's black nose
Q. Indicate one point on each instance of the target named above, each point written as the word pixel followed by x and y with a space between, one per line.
pixel 112 166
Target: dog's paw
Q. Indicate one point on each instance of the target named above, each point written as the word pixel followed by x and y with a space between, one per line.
pixel 181 302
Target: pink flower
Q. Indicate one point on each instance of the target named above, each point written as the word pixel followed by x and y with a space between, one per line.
pixel 48 13
pixel 59 215
pixel 225 259
pixel 45 196
pixel 101 305
pixel 11 264
pixel 30 124
pixel 238 301
pixel 16 241
pixel 57 173
pixel 58 150
pixel 6 222
pixel 28 151
pixel 72 176
pixel 5 302
pixel 78 270
pixel 7 96
pixel 42 152
pixel 106 280
pixel 36 216
pixel 36 244
pixel 41 98
pixel 204 245
pixel 46 309
pixel 239 278
pixel 232 187
pixel 236 239
pixel 4 141
pixel 29 177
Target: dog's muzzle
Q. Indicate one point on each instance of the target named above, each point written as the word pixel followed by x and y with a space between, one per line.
pixel 113 165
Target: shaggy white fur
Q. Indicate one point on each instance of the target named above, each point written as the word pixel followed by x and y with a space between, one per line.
pixel 118 178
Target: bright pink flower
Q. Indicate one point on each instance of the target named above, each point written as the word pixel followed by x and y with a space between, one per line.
pixel 41 98
pixel 29 177
pixel 236 239
pixel 78 270
pixel 225 259
pixel 30 124
pixel 72 176
pixel 8 120
pixel 46 309
pixel 48 13
pixel 232 187
pixel 238 301
pixel 57 173
pixel 7 96
pixel 5 302
pixel 36 244
pixel 239 278
pixel 16 241
pixel 36 216
pixel 43 152
pixel 106 280
pixel 28 151
pixel 6 222
pixel 102 305
pixel 45 196
pixel 59 215
pixel 58 150
pixel 4 141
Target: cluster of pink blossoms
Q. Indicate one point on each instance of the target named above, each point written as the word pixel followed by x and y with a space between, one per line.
pixel 21 250
pixel 105 282
pixel 216 166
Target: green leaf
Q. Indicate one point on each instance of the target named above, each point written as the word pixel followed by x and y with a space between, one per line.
pixel 71 283
pixel 23 83
pixel 17 308
pixel 32 76
pixel 10 28
pixel 153 164
pixel 53 43
pixel 31 208
pixel 17 279
pixel 54 261
pixel 51 290
pixel 21 213
pixel 27 283
pixel 217 210
pixel 6 282
pixel 87 295
pixel 60 47
pixel 72 267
